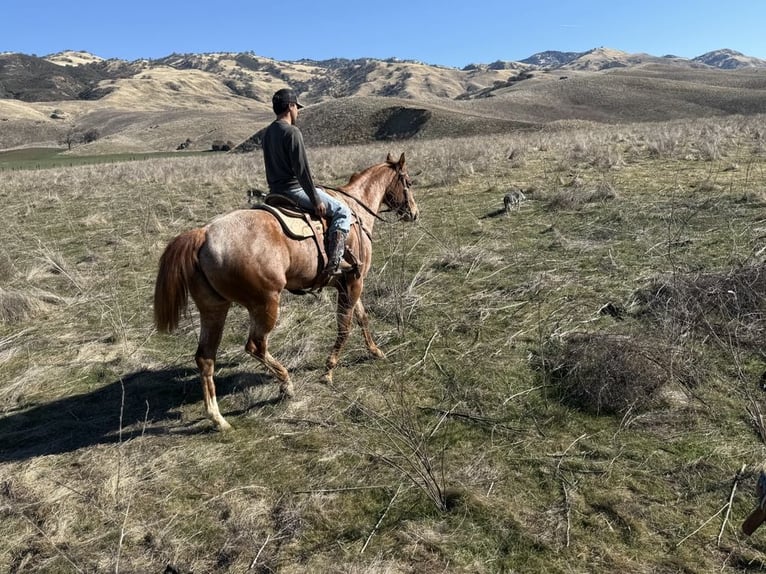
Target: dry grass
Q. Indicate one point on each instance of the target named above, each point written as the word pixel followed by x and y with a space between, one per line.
pixel 452 454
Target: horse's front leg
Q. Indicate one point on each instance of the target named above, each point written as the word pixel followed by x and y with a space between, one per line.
pixel 348 296
pixel 364 322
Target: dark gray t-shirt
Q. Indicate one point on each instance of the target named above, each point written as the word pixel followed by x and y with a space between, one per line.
pixel 284 157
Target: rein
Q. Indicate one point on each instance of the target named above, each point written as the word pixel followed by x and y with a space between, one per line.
pixel 367 209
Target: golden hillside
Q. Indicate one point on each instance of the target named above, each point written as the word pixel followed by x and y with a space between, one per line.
pixel 156 105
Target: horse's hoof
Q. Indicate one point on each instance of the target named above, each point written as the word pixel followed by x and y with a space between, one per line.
pixel 378 354
pixel 222 425
pixel 327 377
pixel 286 392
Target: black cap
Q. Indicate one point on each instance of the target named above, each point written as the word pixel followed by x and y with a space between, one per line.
pixel 285 96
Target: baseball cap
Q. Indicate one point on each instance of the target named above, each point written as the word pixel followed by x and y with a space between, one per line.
pixel 285 96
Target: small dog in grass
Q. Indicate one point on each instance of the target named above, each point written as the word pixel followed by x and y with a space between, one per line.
pixel 513 199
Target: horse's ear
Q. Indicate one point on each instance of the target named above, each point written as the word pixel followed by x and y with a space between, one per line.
pixel 399 164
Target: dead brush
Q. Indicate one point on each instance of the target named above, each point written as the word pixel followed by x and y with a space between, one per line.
pixel 607 158
pixel 607 373
pixel 731 306
pixel 576 195
pixel 17 306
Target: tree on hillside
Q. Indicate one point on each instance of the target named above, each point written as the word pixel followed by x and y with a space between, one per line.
pixel 72 137
pixel 75 136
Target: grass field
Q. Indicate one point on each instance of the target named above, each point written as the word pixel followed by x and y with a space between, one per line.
pixel 573 386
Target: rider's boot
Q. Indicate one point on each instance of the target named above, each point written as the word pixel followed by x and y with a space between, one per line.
pixel 336 246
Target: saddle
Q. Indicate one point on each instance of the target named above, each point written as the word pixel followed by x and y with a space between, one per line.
pixel 296 222
pixel 299 224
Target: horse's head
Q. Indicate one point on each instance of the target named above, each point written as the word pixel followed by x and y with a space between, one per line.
pixel 398 195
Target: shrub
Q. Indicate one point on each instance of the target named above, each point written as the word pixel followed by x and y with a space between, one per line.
pixel 730 305
pixel 91 135
pixel 609 374
pixel 220 145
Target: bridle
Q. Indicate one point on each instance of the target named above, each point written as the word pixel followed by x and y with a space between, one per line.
pixel 357 200
pixel 405 181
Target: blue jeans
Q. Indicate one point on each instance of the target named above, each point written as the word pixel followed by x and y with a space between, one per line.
pixel 337 212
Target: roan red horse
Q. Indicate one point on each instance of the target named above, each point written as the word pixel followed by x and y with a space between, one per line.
pixel 245 257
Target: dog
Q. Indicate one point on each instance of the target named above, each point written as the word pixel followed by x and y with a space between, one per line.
pixel 513 199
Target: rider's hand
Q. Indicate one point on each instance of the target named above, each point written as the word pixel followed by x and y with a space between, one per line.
pixel 321 209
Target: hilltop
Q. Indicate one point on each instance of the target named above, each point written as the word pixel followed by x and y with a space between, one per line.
pixel 154 105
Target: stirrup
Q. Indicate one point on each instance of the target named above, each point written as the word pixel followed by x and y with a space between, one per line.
pixel 324 278
pixel 344 268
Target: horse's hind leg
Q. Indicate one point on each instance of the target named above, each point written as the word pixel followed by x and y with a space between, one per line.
pixel 263 318
pixel 212 320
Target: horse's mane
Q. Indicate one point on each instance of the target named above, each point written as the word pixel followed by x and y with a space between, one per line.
pixel 356 176
pixel 362 179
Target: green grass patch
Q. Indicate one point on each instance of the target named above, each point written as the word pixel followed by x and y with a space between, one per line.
pixel 47 158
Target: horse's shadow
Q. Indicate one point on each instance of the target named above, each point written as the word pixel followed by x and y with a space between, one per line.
pixel 144 402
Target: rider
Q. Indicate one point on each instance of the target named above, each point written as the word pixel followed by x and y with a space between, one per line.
pixel 288 174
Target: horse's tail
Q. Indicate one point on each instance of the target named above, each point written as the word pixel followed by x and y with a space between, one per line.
pixel 177 265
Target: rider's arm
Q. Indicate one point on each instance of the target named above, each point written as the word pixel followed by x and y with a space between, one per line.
pixel 301 169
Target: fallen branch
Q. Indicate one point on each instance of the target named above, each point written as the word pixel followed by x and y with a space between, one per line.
pixel 297 421
pixel 51 542
pixel 425 354
pixel 568 507
pixel 255 560
pixel 708 521
pixel 486 421
pixel 563 454
pixel 380 520
pixel 520 393
pixel 341 489
pixel 734 484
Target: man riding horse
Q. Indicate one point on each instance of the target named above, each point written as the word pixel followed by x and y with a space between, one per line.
pixel 288 174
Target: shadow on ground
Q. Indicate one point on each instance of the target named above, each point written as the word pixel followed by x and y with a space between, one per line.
pixel 144 402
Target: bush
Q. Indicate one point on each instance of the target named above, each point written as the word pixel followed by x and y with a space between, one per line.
pixel 91 135
pixel 609 374
pixel 731 305
pixel 220 145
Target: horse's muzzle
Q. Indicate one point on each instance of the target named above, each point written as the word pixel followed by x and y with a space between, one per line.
pixel 410 215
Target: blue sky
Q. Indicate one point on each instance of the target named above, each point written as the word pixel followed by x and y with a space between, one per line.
pixel 435 32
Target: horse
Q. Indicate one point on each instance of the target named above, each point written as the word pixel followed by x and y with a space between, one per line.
pixel 244 257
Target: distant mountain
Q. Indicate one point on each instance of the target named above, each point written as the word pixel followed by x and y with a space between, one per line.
pixel 606 58
pixel 729 60
pixel 80 75
pixel 551 59
pixel 196 99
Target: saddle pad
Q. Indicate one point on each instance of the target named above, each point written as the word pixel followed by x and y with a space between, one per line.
pixel 293 223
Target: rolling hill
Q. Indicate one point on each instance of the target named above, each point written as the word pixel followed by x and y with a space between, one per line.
pixel 154 105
